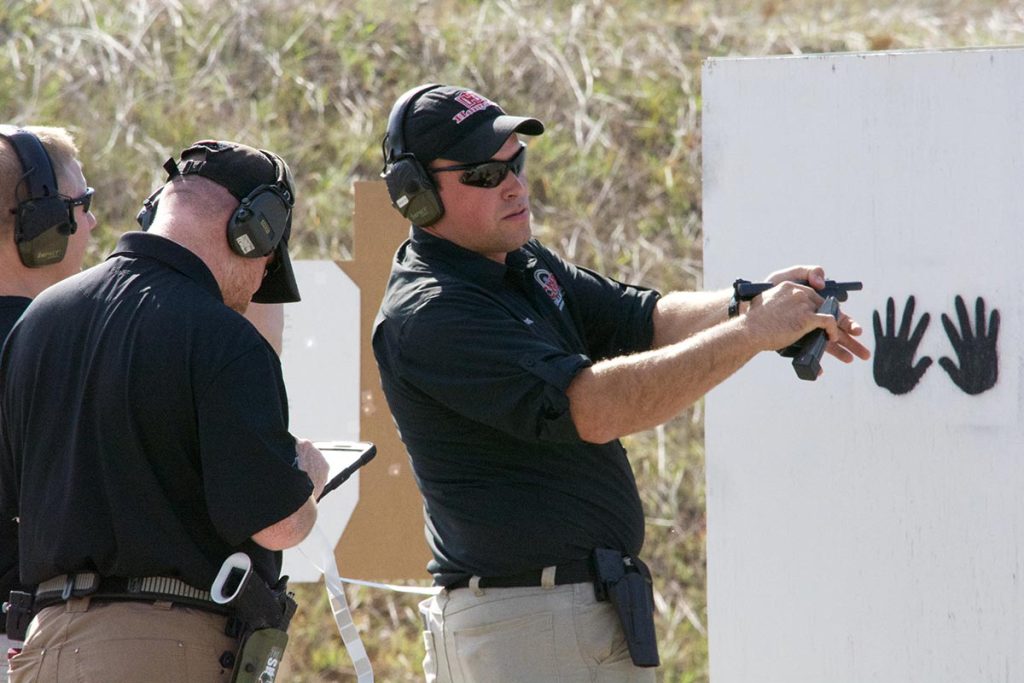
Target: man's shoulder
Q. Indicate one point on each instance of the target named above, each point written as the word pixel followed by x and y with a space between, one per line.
pixel 417 283
pixel 70 293
pixel 121 291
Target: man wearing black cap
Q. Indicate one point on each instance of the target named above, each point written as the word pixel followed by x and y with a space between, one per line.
pixel 511 375
pixel 144 432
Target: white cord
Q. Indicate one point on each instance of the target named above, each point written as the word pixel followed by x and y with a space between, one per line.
pixel 415 590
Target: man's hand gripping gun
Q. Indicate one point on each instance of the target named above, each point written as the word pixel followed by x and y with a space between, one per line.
pixel 806 352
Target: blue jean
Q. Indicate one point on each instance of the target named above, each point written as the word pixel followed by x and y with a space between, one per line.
pixel 525 635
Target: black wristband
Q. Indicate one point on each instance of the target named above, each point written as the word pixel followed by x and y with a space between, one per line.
pixel 734 302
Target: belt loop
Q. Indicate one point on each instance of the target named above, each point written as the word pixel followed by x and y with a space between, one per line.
pixel 78 604
pixel 474 585
pixel 547 577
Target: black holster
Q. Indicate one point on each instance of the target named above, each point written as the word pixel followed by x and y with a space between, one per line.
pixel 261 615
pixel 20 609
pixel 626 582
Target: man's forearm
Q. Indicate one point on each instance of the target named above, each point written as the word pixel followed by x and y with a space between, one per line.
pixel 628 394
pixel 679 315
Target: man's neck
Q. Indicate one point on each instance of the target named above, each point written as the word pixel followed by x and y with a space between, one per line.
pixel 17 280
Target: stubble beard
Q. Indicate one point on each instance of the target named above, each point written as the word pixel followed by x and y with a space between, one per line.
pixel 238 286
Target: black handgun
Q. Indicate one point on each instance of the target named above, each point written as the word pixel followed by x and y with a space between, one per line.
pixel 810 347
pixel 806 352
pixel 261 617
pixel 258 605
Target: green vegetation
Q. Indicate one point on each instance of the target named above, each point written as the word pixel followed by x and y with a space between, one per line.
pixel 615 180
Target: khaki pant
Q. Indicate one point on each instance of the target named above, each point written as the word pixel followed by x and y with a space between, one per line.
pixel 106 642
pixel 526 635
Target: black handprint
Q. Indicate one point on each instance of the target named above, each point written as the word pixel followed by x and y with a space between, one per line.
pixel 979 364
pixel 894 353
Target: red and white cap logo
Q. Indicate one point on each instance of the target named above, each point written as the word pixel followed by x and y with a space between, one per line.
pixel 472 103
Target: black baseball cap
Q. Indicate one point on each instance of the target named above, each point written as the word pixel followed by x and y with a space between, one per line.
pixel 241 169
pixel 458 124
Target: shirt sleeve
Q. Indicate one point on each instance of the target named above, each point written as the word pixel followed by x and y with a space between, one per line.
pixel 246 452
pixel 615 318
pixel 485 364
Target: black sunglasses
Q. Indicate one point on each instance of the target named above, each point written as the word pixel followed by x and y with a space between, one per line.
pixel 84 200
pixel 488 173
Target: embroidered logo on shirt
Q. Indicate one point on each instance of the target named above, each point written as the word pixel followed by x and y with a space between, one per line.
pixel 551 287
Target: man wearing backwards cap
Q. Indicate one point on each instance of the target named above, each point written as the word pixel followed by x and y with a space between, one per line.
pixel 511 375
pixel 166 448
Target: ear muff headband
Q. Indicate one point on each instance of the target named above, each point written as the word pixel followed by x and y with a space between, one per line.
pixel 148 211
pixel 43 220
pixel 262 219
pixel 410 186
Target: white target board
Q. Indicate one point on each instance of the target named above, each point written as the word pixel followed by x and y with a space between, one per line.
pixel 320 361
pixel 869 526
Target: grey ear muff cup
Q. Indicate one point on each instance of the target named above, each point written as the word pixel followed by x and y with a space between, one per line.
pixel 410 186
pixel 43 220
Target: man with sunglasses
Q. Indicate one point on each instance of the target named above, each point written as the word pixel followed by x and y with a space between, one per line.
pixel 511 375
pixel 144 436
pixel 22 278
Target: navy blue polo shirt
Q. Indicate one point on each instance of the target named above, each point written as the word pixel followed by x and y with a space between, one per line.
pixel 11 308
pixel 144 424
pixel 475 358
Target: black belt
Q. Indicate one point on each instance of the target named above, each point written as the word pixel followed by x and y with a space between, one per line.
pixel 577 571
pixel 146 588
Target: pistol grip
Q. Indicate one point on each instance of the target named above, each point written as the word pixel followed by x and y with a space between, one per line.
pixel 807 363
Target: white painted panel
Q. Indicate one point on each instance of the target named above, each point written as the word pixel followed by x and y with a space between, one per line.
pixel 320 355
pixel 320 359
pixel 856 535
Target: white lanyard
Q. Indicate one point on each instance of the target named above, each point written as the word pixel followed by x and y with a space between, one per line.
pixel 326 565
pixel 342 615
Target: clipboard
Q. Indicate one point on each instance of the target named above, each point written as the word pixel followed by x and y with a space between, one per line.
pixel 344 458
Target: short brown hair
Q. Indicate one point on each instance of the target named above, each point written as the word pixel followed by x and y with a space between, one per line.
pixel 63 152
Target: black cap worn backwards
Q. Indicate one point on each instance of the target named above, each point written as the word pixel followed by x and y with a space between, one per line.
pixel 240 169
pixel 458 124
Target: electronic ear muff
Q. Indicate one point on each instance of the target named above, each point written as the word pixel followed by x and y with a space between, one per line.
pixel 262 219
pixel 412 190
pixel 43 220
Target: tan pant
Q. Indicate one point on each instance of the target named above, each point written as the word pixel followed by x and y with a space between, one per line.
pixel 526 635
pixel 103 642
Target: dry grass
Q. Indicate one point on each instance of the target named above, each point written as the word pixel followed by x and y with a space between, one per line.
pixel 615 180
